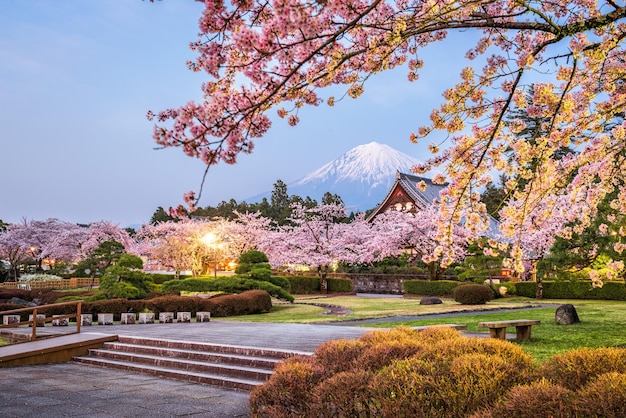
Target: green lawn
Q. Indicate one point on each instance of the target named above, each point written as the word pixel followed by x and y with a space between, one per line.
pixel 603 323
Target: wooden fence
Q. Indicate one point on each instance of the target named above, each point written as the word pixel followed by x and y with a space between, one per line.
pixel 73 283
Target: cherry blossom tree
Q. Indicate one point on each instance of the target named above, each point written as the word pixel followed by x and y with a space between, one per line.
pixel 264 57
pixel 53 241
pixel 76 242
pixel 175 245
pixel 40 240
pixel 418 234
pixel 316 238
pixel 12 249
pixel 244 233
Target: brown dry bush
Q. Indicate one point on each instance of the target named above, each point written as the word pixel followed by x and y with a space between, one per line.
pixel 288 392
pixel 401 373
pixel 539 399
pixel 344 395
pixel 574 369
pixel 339 356
pixel 449 384
pixel 604 397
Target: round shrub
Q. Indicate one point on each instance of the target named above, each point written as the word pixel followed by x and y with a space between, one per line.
pixel 575 368
pixel 253 257
pixel 473 294
pixel 539 399
pixel 289 389
pixel 605 397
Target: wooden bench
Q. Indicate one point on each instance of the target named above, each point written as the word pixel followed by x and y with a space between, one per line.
pixel 497 329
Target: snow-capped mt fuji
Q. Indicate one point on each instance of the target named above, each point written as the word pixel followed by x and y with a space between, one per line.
pixel 362 177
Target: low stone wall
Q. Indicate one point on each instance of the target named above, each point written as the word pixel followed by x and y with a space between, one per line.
pixel 379 283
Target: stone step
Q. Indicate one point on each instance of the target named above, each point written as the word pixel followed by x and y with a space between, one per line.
pixel 235 367
pixel 197 355
pixel 214 348
pixel 252 373
pixel 168 373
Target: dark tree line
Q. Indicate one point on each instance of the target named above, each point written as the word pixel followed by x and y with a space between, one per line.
pixel 278 208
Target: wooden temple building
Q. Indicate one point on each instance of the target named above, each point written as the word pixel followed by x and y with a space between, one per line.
pixel 406 196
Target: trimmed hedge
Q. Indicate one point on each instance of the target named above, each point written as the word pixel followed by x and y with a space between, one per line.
pixel 339 285
pixel 304 285
pixel 160 278
pixel 246 303
pixel 307 285
pixel 430 288
pixel 573 290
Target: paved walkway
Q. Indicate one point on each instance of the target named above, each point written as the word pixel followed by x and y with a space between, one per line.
pixel 74 390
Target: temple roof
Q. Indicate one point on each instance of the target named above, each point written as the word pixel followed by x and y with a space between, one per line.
pixel 409 197
pixel 407 184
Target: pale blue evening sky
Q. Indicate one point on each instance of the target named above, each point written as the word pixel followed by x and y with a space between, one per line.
pixel 76 80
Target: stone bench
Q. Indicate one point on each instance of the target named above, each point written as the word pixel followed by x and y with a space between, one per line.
pixel 497 329
pixel 59 321
pixel 127 318
pixel 86 319
pixel 146 318
pixel 166 317
pixel 183 316
pixel 10 319
pixel 105 319
pixel 41 320
pixel 203 316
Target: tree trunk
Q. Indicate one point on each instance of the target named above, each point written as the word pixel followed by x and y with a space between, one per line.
pixel 323 271
pixel 538 280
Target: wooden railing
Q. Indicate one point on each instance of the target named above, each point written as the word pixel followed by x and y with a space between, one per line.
pixel 33 322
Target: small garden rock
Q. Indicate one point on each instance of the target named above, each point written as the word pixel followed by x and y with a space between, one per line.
pixel 566 315
pixel 430 300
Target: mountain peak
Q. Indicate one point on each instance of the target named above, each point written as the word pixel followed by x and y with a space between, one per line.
pixel 369 164
pixel 362 176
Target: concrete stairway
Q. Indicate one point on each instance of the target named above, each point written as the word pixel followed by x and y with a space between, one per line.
pixel 234 367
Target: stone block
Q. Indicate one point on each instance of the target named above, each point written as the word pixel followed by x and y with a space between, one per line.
pixel 105 319
pixel 146 318
pixel 203 316
pixel 86 319
pixel 183 316
pixel 62 322
pixel 127 318
pixel 40 320
pixel 10 319
pixel 166 317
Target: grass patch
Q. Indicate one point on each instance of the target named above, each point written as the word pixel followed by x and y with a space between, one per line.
pixel 306 311
pixel 602 324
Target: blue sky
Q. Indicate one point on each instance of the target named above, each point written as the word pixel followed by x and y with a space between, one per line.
pixel 77 78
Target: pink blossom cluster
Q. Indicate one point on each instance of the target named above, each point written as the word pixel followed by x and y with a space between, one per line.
pixel 278 56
